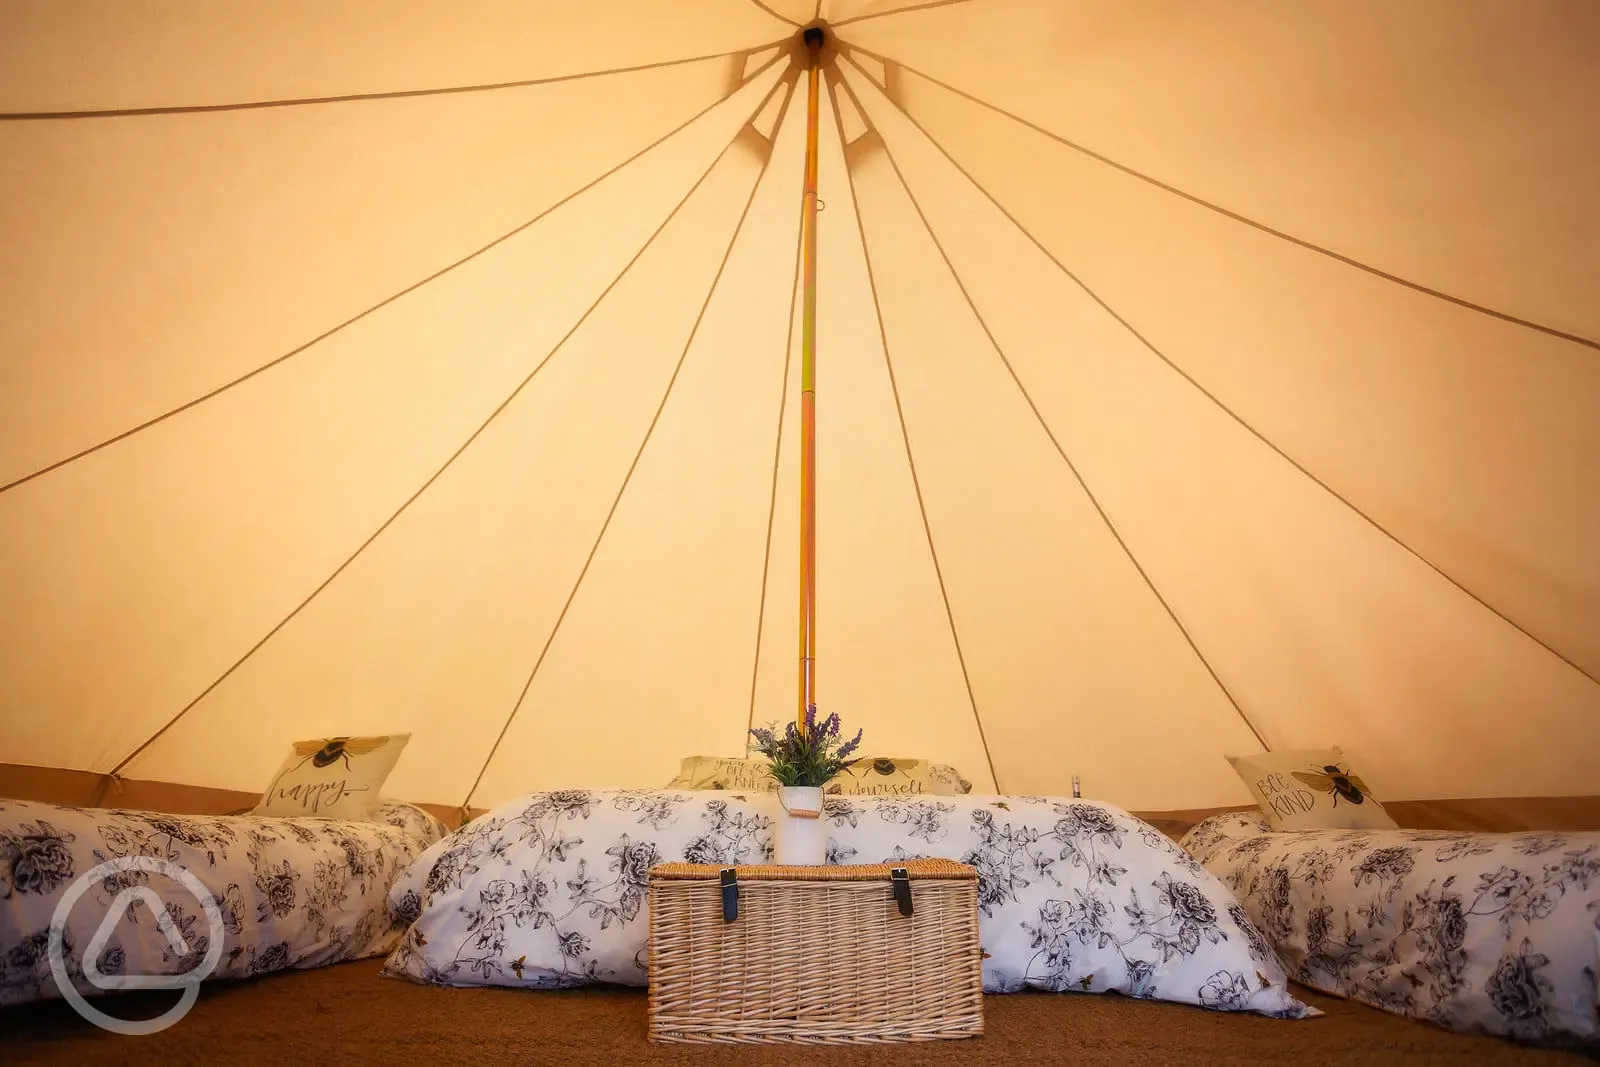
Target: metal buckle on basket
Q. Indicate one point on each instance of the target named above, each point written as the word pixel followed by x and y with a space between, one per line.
pixel 900 880
pixel 730 894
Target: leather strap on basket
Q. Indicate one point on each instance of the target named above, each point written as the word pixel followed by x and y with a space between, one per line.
pixel 899 883
pixel 900 880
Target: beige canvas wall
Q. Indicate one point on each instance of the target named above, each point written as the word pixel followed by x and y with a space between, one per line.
pixel 1192 379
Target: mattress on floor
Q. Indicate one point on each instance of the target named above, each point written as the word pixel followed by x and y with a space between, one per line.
pixel 1478 932
pixel 549 890
pixel 282 892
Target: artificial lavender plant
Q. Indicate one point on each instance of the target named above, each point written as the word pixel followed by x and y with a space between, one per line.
pixel 807 756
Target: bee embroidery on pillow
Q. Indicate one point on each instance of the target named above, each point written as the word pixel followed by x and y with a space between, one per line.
pixel 1336 783
pixel 324 752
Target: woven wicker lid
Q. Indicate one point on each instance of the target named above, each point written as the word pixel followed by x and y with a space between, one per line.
pixel 851 872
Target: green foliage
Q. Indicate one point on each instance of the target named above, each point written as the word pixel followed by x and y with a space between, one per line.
pixel 808 754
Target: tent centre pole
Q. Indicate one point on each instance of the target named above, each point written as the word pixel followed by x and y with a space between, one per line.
pixel 808 392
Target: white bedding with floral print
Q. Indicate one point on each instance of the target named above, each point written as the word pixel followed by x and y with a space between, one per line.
pixel 291 892
pixel 549 891
pixel 1477 932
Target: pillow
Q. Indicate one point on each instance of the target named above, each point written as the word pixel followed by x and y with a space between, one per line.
pixel 877 776
pixel 883 776
pixel 332 777
pixel 1311 789
pixel 949 780
pixel 723 772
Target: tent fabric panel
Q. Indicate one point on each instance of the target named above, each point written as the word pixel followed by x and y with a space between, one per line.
pixel 125 54
pixel 436 627
pixel 167 557
pixel 887 661
pixel 137 284
pixel 1057 624
pixel 1439 142
pixel 1465 437
pixel 1243 543
pixel 1190 381
pixel 664 620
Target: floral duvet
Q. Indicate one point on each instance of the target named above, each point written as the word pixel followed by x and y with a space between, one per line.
pixel 1495 933
pixel 549 891
pixel 300 892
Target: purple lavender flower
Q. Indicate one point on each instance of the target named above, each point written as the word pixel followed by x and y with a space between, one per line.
pixel 808 752
pixel 850 746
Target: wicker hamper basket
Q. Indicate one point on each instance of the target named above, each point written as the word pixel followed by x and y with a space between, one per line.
pixel 819 955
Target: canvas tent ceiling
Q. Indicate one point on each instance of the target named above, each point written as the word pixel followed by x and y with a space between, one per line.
pixel 1193 377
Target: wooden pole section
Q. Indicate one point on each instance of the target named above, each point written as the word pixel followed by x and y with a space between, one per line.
pixel 808 393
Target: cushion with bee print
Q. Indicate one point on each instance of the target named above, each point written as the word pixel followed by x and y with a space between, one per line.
pixel 896 776
pixel 1311 789
pixel 724 772
pixel 332 777
pixel 870 775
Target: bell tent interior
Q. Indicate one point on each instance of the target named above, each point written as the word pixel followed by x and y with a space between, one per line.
pixel 1163 383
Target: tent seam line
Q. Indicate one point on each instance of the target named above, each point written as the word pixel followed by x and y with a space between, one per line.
pixel 777 460
pixel 1187 377
pixel 649 433
pixel 432 479
pixel 774 14
pixel 391 94
pixel 1302 242
pixel 1044 425
pixel 905 438
pixel 408 290
pixel 897 11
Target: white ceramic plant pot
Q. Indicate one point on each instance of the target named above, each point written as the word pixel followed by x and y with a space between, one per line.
pixel 800 836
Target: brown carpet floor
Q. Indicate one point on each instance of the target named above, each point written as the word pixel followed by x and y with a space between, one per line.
pixel 349 1015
